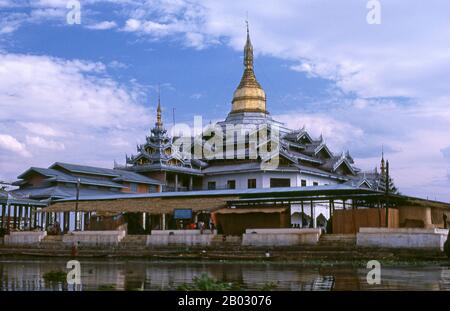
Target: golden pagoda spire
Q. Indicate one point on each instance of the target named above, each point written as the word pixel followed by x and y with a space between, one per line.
pixel 248 51
pixel 249 95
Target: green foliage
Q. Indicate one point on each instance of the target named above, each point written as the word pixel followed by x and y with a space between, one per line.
pixel 268 287
pixel 55 276
pixel 107 287
pixel 206 283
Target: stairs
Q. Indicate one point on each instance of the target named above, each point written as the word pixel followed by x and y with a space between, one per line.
pixel 230 241
pixel 133 242
pixel 52 241
pixel 337 240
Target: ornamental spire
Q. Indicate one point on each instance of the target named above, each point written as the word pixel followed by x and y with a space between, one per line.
pixel 248 51
pixel 158 123
pixel 383 166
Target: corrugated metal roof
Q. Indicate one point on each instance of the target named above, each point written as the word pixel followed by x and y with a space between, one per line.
pixel 230 192
pixel 60 192
pixel 124 175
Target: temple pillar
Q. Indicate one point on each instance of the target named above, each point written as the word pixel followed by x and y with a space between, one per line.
pixel 176 182
pixel 313 218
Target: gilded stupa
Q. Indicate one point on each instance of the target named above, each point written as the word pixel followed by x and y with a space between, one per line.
pixel 249 95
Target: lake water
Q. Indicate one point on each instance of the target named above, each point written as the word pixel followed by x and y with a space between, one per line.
pixel 150 275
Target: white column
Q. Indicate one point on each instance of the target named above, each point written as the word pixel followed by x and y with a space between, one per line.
pixel 163 222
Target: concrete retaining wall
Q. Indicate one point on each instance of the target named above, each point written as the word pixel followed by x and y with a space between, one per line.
pixel 180 237
pixel 412 238
pixel 24 238
pixel 94 238
pixel 280 237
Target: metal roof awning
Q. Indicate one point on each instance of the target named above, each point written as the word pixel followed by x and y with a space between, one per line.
pixel 250 210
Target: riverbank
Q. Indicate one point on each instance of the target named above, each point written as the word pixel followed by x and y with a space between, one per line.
pixel 327 255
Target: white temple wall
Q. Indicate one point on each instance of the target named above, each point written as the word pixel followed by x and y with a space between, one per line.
pixel 263 179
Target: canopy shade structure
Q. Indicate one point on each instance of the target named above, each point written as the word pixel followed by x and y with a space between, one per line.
pixel 250 210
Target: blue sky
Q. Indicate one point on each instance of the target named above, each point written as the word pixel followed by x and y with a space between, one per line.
pixel 86 93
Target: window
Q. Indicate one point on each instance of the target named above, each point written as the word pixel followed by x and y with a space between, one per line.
pixel 133 187
pixel 303 182
pixel 280 182
pixel 211 185
pixel 231 184
pixel 251 183
pixel 315 183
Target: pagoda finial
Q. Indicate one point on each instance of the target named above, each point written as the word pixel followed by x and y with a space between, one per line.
pixel 158 111
pixel 383 165
pixel 248 50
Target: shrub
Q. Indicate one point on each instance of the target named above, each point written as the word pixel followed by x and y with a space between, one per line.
pixel 55 276
pixel 205 283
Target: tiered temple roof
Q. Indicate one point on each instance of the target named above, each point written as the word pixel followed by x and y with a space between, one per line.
pixel 298 150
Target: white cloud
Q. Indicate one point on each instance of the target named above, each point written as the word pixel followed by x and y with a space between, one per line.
pixel 45 143
pixel 65 110
pixel 415 138
pixel 105 25
pixel 42 129
pixel 9 143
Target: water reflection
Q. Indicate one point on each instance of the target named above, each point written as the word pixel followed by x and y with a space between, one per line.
pixel 27 275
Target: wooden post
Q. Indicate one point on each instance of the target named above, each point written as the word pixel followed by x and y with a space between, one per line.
pixel 163 221
pixel 47 218
pixel 3 216
pixel 8 225
pixel 85 221
pixel 41 220
pixel 191 183
pixel 27 218
pixel 343 204
pixel 15 216
pixel 65 222
pixel 35 218
pixel 311 225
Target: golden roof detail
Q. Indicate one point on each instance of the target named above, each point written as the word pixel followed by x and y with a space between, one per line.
pixel 249 95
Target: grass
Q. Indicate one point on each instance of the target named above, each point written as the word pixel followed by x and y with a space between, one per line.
pixel 55 276
pixel 206 283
